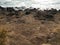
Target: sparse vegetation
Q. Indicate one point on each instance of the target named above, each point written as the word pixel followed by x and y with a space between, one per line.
pixel 29 26
pixel 3 35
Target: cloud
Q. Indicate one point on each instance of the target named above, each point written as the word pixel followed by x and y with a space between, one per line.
pixel 31 3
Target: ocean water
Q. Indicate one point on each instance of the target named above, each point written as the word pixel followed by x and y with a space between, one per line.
pixel 43 4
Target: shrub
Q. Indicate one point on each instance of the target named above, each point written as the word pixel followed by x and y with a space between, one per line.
pixel 2 37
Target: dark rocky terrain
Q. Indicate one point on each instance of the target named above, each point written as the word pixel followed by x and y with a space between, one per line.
pixel 29 26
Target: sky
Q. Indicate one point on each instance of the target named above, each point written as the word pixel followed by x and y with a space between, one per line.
pixel 43 4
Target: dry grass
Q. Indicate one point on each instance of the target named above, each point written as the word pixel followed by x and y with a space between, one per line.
pixel 31 32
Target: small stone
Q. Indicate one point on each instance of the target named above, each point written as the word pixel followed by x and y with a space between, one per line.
pixel 46 44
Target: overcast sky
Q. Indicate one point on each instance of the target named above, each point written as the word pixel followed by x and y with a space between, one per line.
pixel 32 3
